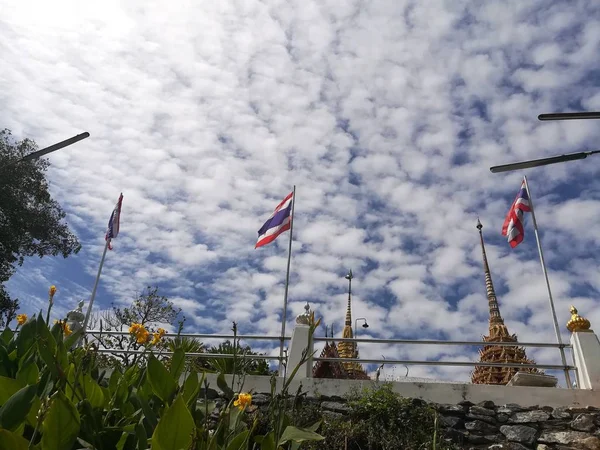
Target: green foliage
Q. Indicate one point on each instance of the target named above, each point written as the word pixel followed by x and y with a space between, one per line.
pixel 55 399
pixel 244 365
pixel 379 419
pixel 31 222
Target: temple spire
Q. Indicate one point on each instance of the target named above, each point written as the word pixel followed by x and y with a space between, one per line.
pixel 349 309
pixel 495 317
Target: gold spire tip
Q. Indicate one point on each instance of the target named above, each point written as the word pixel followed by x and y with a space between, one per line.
pixel 577 323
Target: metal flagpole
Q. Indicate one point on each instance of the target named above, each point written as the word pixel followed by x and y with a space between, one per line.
pixel 539 245
pixel 287 284
pixel 89 311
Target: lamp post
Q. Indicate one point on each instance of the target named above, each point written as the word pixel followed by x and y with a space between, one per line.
pixel 553 159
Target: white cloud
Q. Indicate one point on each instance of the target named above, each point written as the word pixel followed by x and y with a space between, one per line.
pixel 386 116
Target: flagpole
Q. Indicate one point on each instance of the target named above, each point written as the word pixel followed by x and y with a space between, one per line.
pixel 287 284
pixel 89 311
pixel 539 245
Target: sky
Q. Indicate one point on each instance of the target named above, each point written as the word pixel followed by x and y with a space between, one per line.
pixel 385 115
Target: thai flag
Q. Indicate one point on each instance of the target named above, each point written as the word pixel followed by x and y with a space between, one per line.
pixel 279 222
pixel 513 224
pixel 113 222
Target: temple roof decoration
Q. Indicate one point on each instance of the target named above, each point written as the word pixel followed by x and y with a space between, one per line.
pixel 498 332
pixel 577 323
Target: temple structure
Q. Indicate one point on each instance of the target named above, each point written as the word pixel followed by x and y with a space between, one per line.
pixel 498 332
pixel 344 349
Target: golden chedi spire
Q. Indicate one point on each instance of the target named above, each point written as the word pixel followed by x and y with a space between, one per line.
pixel 577 323
pixel 498 332
pixel 348 349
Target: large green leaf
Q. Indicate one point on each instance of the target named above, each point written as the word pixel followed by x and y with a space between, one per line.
pixel 5 363
pixel 142 437
pixel 12 441
pixel 44 335
pixel 14 412
pixel 72 338
pixel 266 442
pixel 61 424
pixel 191 387
pixel 298 435
pixel 227 391
pixel 160 379
pixel 48 356
pixel 175 428
pixel 93 392
pixel 240 442
pixel 7 335
pixel 26 337
pixel 28 373
pixel 8 387
pixel 177 363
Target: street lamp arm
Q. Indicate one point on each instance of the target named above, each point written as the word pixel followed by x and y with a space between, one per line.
pixel 570 116
pixel 55 147
pixel 542 161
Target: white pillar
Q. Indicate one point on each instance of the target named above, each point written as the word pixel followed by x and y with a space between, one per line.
pixel 300 343
pixel 586 355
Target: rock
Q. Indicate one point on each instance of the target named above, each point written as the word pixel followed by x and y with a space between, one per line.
pixel 529 416
pixel 583 422
pixel 519 433
pixel 451 409
pixel 502 418
pixel 335 407
pixel 465 403
pixel 591 443
pixel 331 416
pixel 477 439
pixel 555 425
pixel 592 408
pixel 488 419
pixel 488 404
pixel 548 409
pixel 563 437
pixel 510 408
pixel 417 402
pixel 211 394
pixel 260 399
pixel 480 411
pixel 542 447
pixel 508 446
pixel 456 436
pixel 481 427
pixel 560 413
pixel 577 409
pixel 451 421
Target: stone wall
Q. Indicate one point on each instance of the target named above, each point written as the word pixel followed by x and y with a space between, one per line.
pixel 490 426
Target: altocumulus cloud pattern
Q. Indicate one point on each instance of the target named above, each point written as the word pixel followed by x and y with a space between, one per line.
pixel 386 115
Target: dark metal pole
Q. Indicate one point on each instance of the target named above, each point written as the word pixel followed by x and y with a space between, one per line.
pixel 570 116
pixel 55 147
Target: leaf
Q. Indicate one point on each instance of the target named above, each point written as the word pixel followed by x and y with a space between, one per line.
pixel 177 363
pixel 267 442
pixel 14 412
pixel 5 363
pixel 72 338
pixel 62 359
pixel 298 435
pixel 93 392
pixel 12 441
pixel 175 428
pixel 44 335
pixel 239 442
pixel 142 437
pixel 227 391
pixel 61 424
pixel 160 379
pixel 26 337
pixel 7 335
pixel 122 441
pixel 48 357
pixel 191 387
pixel 28 373
pixel 8 388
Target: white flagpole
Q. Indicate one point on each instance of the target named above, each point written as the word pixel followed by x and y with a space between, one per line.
pixel 287 284
pixel 539 245
pixel 89 311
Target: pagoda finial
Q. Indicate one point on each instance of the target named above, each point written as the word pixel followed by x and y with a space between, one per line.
pixel 349 309
pixel 577 323
pixel 495 317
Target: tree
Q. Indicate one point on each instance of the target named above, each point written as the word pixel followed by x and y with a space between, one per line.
pixel 31 222
pixel 243 364
pixel 148 309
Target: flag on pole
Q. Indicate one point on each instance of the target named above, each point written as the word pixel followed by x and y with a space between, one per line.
pixel 279 222
pixel 113 223
pixel 513 224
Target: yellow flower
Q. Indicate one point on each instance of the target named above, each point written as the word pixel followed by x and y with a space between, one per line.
pixel 65 327
pixel 21 319
pixel 52 291
pixel 158 336
pixel 243 400
pixel 139 331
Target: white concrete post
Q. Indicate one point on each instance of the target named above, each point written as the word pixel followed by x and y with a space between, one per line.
pixel 586 355
pixel 300 342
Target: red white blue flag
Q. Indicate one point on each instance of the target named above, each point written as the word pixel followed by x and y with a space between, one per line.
pixel 279 222
pixel 513 224
pixel 113 223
